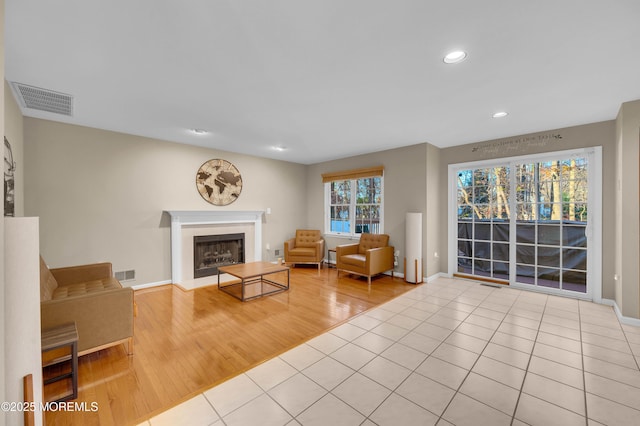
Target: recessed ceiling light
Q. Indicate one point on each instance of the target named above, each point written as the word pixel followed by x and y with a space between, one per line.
pixel 280 148
pixel 455 57
pixel 198 131
pixel 500 114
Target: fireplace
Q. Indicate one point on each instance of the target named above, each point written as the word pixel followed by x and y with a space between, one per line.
pixel 186 224
pixel 213 251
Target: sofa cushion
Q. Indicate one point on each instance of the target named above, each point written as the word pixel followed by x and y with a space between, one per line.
pixel 357 260
pixel 307 237
pixel 79 289
pixel 303 251
pixel 369 241
pixel 48 283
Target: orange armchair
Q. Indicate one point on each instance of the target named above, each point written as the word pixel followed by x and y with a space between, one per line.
pixel 307 247
pixel 371 256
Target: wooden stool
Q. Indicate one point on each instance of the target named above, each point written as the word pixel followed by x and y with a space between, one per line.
pixel 56 338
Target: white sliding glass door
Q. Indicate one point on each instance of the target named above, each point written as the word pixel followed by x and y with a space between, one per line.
pixel 483 214
pixel 533 222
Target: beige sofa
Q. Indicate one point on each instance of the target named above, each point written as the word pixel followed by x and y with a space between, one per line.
pixel 102 309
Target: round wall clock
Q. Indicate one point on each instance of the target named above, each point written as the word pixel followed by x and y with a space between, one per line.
pixel 219 182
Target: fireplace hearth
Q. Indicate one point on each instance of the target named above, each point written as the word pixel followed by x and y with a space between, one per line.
pixel 213 251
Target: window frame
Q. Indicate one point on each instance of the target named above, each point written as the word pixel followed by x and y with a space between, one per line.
pixel 352 207
pixel 593 229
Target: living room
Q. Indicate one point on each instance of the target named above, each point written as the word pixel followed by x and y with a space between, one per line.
pixel 145 178
pixel 103 195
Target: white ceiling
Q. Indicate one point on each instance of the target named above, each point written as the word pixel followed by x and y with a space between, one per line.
pixel 327 78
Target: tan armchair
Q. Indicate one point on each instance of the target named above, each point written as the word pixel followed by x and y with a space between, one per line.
pixel 102 309
pixel 307 247
pixel 371 256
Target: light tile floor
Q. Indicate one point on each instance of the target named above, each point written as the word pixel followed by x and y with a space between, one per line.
pixel 450 352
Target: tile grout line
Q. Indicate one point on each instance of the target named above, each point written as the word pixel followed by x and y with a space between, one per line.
pixel 366 417
pixel 609 378
pixel 582 360
pixel 213 408
pixel 526 371
pixel 476 361
pixel 584 379
pixel 440 344
pixel 393 391
pixel 635 358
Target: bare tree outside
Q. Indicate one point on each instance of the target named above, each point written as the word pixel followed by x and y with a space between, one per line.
pixel 550 202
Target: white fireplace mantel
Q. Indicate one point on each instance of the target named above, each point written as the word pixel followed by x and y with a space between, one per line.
pixel 182 218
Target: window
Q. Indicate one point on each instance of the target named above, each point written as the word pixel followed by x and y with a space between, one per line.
pixel 353 202
pixel 529 221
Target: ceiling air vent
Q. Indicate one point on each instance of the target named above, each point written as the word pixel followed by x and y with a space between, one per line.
pixel 43 99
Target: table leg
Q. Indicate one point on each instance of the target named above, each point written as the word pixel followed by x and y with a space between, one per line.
pixel 74 369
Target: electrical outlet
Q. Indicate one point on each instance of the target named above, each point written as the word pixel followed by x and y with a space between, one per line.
pixel 276 252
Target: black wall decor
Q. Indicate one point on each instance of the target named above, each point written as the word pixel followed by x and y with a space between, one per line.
pixel 9 180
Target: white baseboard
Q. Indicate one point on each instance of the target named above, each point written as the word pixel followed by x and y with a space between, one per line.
pixel 149 285
pixel 621 318
pixel 395 274
pixel 398 274
pixel 436 276
pixel 424 280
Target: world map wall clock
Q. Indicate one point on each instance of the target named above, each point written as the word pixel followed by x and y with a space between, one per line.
pixel 219 182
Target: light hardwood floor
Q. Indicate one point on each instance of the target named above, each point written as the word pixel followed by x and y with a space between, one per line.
pixel 188 341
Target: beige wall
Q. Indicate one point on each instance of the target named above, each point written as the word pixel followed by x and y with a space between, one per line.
pixel 405 178
pixel 433 244
pixel 100 195
pixel 596 134
pixel 627 208
pixel 13 130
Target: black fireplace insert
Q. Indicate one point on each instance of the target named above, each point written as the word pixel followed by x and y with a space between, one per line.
pixel 213 251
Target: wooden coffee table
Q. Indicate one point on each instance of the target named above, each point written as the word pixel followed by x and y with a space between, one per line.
pixel 253 282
